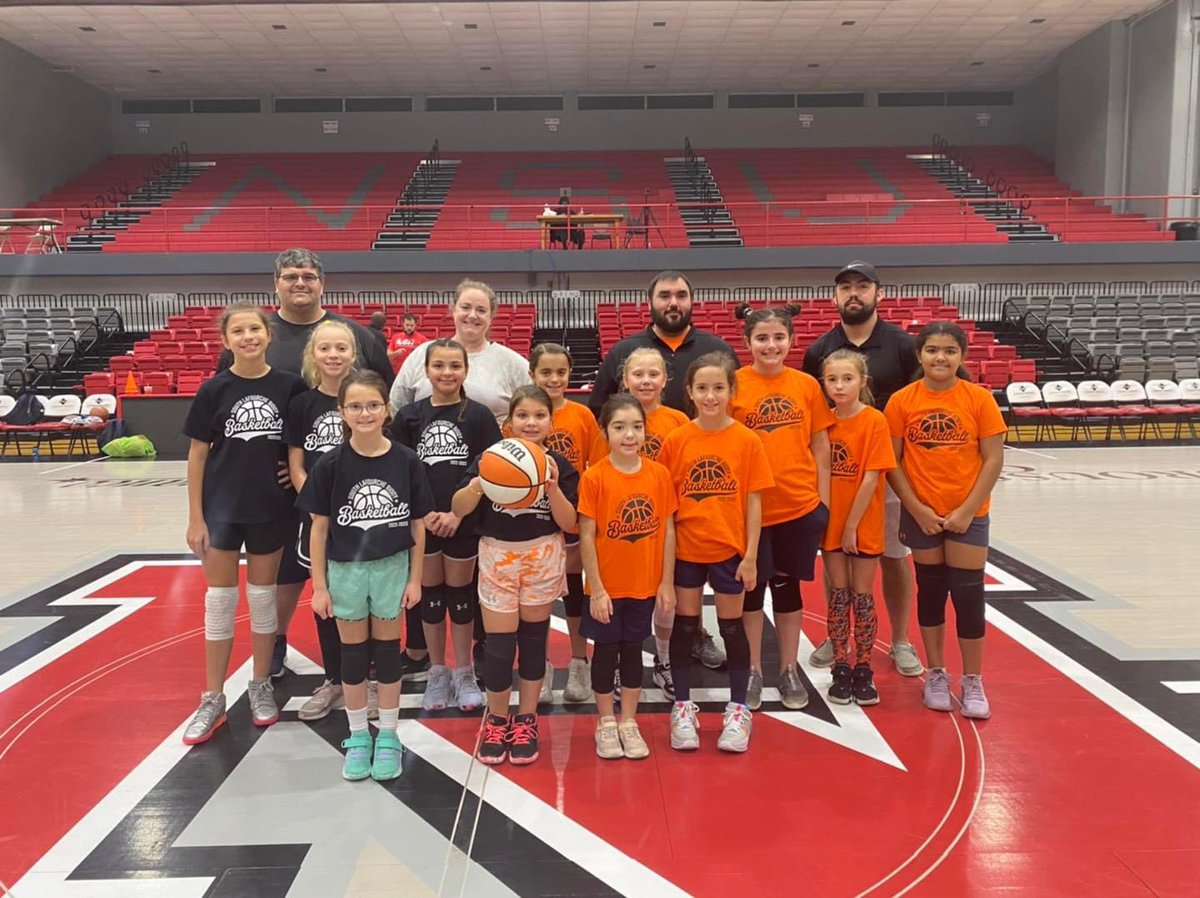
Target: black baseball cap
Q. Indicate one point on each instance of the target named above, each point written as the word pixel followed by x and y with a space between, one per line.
pixel 866 269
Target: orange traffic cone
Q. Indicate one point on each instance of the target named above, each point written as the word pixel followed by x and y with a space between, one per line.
pixel 131 384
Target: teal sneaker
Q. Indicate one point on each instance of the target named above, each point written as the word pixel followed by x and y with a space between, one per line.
pixel 388 753
pixel 358 756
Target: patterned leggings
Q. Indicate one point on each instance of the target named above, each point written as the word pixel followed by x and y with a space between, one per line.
pixel 866 624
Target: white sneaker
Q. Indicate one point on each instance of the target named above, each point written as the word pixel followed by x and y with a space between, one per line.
pixel 579 679
pixel 608 740
pixel 735 735
pixel 546 696
pixel 685 727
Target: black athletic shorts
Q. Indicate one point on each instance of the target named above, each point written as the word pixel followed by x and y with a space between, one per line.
pixel 259 539
pixel 295 565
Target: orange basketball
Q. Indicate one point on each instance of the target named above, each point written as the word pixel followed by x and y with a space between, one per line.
pixel 98 411
pixel 513 472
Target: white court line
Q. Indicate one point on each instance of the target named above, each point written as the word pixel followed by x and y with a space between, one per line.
pixel 1183 687
pixel 1031 452
pixel 56 467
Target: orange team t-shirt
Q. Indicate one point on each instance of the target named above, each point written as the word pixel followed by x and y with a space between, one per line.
pixel 659 423
pixel 858 445
pixel 713 473
pixel 573 434
pixel 630 511
pixel 941 431
pixel 785 411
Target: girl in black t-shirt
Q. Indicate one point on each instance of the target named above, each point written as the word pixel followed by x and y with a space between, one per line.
pixel 236 426
pixel 368 499
pixel 522 572
pixel 448 431
pixel 314 427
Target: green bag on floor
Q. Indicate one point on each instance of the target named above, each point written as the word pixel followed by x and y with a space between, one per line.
pixel 129 447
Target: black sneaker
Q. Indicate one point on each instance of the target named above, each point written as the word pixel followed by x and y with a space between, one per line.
pixel 413 670
pixel 842 690
pixel 477 658
pixel 864 686
pixel 661 677
pixel 523 739
pixel 493 746
pixel 277 655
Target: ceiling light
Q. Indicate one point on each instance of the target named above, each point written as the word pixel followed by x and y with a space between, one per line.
pixel 650 66
pixel 320 69
pixel 485 68
pixel 660 24
pixel 280 27
pixel 976 62
pixel 470 26
pixel 848 22
pixel 154 71
pixel 86 28
pixel 1036 21
pixel 814 65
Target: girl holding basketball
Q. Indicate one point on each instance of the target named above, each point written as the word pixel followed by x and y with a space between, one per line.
pixel 236 426
pixel 573 435
pixel 861 451
pixel 948 436
pixel 522 573
pixel 447 431
pixel 644 376
pixel 719 469
pixel 788 411
pixel 368 498
pixel 627 538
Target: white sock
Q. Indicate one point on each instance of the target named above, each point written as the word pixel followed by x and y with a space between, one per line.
pixel 389 719
pixel 358 720
pixel 664 649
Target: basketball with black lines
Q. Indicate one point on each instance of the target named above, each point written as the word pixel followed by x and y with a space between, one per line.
pixel 709 476
pixel 938 427
pixel 513 473
pixel 652 446
pixel 774 411
pixel 562 442
pixel 635 519
pixel 841 460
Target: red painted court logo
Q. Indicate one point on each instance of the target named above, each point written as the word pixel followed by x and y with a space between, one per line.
pixel 842 463
pixel 635 519
pixel 709 476
pixel 563 443
pixel 938 428
pixel 773 412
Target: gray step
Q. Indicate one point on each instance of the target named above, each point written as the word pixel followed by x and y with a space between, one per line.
pixel 695 240
pixel 1032 237
pixel 379 244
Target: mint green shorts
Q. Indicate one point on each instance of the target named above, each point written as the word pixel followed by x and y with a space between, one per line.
pixel 361 588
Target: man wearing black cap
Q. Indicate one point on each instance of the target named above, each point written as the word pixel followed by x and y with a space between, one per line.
pixel 892 363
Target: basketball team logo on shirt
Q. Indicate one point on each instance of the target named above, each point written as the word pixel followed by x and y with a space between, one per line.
pixel 775 411
pixel 252 417
pixel 326 433
pixel 841 462
pixel 563 443
pixel 635 519
pixel 709 477
pixel 652 446
pixel 540 507
pixel 442 441
pixel 938 428
pixel 372 503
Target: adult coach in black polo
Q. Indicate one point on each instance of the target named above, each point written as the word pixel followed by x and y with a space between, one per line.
pixel 671 333
pixel 892 363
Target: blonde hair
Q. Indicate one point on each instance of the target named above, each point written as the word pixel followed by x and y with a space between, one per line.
pixel 469 284
pixel 859 361
pixel 645 351
pixel 308 361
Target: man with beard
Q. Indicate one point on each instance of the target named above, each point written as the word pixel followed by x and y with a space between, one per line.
pixel 892 363
pixel 671 333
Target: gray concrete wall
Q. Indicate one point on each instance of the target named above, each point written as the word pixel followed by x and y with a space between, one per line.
pixel 1089 130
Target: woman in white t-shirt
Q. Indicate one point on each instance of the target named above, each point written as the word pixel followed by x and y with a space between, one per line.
pixel 494 371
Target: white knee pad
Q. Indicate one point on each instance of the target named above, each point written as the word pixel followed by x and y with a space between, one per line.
pixel 665 620
pixel 264 614
pixel 220 606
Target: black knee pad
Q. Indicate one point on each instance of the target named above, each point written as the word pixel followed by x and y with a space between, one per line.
pixel 966 591
pixel 785 595
pixel 356 660
pixel 433 604
pixel 933 583
pixel 531 641
pixel 754 598
pixel 573 600
pixel 460 602
pixel 604 666
pixel 737 646
pixel 631 665
pixel 386 655
pixel 498 657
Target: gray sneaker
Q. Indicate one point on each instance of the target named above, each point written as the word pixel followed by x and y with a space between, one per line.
pixel 937 690
pixel 706 651
pixel 209 716
pixel 327 697
pixel 579 681
pixel 822 655
pixel 791 689
pixel 907 662
pixel 546 696
pixel 465 689
pixel 754 690
pixel 437 689
pixel 263 710
pixel 974 701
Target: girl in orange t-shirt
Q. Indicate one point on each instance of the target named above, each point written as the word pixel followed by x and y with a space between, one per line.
pixel 719 469
pixel 627 538
pixel 861 448
pixel 573 435
pixel 948 435
pixel 644 376
pixel 788 411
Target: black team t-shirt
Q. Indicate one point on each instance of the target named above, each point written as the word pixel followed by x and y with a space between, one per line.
pixel 370 502
pixel 447 438
pixel 314 424
pixel 519 524
pixel 243 422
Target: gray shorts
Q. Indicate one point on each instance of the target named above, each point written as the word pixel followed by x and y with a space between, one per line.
pixel 892 546
pixel 913 537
